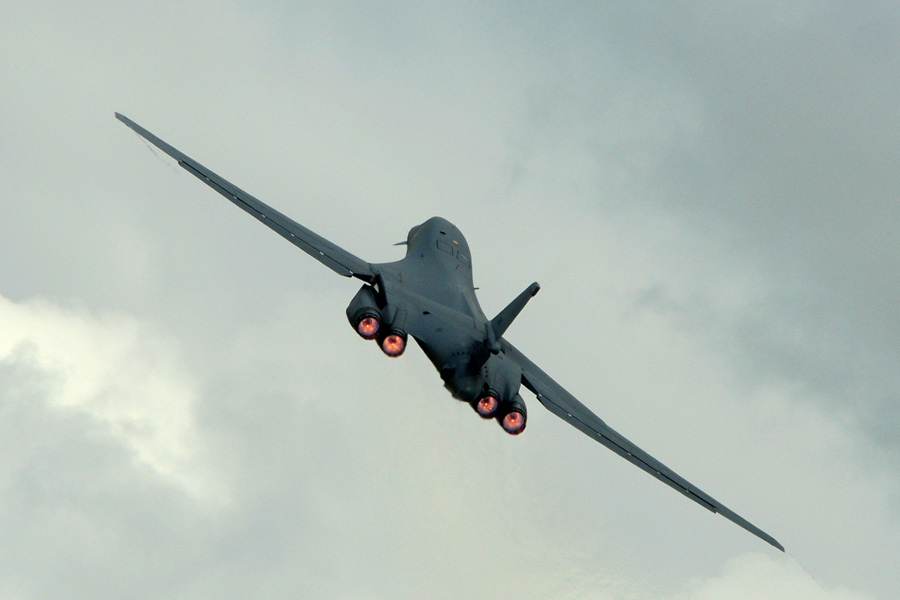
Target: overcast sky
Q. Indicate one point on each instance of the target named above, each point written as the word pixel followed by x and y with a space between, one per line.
pixel 708 193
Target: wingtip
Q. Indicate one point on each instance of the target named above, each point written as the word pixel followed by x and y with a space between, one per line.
pixel 128 122
pixel 768 538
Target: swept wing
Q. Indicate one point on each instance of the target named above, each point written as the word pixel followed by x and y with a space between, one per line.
pixel 552 395
pixel 565 406
pixel 332 256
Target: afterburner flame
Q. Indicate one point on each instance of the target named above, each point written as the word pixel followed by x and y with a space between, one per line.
pixel 487 406
pixel 514 423
pixel 368 327
pixel 393 344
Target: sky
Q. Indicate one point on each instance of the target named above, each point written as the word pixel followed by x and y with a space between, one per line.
pixel 707 192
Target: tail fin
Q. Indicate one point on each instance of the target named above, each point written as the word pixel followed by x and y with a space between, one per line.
pixel 502 321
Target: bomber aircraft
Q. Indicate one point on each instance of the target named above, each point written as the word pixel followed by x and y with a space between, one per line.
pixel 429 296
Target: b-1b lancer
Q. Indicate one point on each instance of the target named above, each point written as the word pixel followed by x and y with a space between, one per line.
pixel 430 297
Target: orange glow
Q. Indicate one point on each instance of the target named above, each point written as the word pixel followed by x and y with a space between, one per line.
pixel 368 327
pixel 514 423
pixel 487 405
pixel 393 345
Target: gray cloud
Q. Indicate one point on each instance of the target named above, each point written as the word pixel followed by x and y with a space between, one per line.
pixel 705 194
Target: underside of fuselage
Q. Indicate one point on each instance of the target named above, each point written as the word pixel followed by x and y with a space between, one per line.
pixel 429 295
pixel 437 266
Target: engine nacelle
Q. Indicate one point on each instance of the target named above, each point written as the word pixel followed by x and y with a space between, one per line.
pixel 500 376
pixel 498 393
pixel 512 416
pixel 364 314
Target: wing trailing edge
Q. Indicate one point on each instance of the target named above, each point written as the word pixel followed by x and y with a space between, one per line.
pixel 331 255
pixel 564 405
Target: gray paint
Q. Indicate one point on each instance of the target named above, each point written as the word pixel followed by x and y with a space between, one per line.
pixel 430 296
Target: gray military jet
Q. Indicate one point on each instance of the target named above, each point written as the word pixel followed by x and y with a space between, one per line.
pixel 429 296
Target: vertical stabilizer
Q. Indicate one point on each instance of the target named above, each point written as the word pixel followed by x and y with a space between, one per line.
pixel 502 321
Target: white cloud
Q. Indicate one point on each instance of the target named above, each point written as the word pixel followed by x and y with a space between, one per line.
pixel 757 576
pixel 114 369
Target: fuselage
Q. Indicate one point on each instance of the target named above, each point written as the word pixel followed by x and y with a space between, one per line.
pixel 450 325
pixel 430 296
pixel 438 266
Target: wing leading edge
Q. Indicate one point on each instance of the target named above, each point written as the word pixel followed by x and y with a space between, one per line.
pixel 552 395
pixel 565 406
pixel 332 256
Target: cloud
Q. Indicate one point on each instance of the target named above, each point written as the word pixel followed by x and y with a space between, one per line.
pixel 114 370
pixel 705 192
pixel 752 576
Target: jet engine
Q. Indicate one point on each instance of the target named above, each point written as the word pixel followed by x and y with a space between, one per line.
pixel 364 314
pixel 498 397
pixel 487 404
pixel 394 343
pixel 372 319
pixel 512 416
